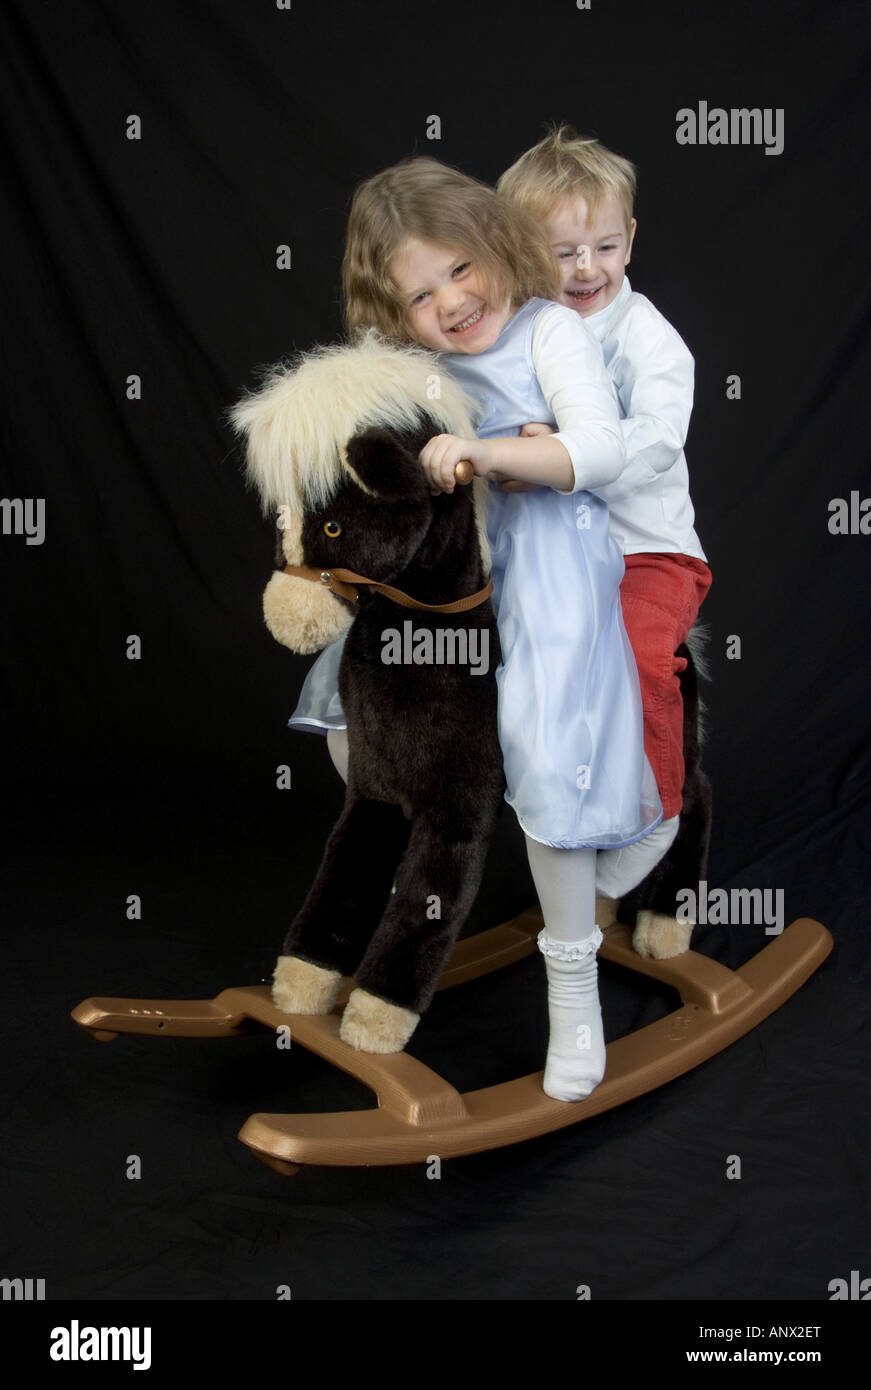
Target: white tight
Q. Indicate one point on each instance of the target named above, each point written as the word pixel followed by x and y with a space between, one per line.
pixel 618 870
pixel 337 743
pixel 565 880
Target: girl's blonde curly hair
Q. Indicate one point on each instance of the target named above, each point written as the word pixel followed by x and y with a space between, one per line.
pixel 423 199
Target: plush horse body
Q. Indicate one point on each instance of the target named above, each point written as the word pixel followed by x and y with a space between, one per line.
pixel 333 445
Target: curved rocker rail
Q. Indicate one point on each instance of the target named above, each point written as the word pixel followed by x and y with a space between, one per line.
pixel 419 1114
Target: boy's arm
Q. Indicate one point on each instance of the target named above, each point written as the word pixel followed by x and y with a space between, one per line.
pixel 574 381
pixel 657 392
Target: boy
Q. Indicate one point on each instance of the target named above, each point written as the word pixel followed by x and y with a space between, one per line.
pixel 583 195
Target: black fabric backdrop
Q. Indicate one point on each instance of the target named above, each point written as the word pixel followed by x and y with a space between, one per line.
pixel 157 776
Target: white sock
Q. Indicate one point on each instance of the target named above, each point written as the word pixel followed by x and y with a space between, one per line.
pixel 619 870
pixel 565 881
pixel 576 1047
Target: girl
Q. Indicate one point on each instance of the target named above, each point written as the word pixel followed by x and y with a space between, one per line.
pixel 435 257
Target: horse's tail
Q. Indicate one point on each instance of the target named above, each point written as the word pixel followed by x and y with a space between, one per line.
pixel 691 856
pixel 695 653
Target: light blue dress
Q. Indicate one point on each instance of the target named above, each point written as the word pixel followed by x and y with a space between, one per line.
pixel 570 716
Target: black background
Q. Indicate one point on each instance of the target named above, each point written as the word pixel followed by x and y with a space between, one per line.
pixel 157 776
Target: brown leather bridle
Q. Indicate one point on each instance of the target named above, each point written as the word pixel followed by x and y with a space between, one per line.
pixel 342 582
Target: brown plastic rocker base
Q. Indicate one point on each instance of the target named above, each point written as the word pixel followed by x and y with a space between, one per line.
pixel 419 1114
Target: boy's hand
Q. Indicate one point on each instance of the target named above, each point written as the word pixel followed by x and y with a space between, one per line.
pixel 440 456
pixel 527 432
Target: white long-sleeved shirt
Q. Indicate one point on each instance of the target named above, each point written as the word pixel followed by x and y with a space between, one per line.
pixel 575 383
pixel 652 370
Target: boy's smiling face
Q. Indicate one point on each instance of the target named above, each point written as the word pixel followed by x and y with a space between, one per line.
pixel 593 254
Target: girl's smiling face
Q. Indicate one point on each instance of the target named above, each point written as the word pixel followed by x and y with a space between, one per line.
pixel 447 302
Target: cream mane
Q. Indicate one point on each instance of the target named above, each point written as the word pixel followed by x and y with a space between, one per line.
pixel 298 423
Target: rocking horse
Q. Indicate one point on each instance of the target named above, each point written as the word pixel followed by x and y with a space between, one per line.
pixel 332 442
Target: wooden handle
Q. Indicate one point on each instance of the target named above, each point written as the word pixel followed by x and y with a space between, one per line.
pixel 464 472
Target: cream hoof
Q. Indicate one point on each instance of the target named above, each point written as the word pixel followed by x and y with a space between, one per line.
pixel 372 1025
pixel 661 937
pixel 302 988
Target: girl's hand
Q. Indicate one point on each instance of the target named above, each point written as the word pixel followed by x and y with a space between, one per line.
pixel 440 456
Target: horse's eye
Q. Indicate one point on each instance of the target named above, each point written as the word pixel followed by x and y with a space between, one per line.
pixel 332 529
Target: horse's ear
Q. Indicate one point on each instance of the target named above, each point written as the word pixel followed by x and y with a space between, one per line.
pixel 386 462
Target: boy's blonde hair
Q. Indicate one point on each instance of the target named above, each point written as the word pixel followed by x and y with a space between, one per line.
pixel 564 165
pixel 422 198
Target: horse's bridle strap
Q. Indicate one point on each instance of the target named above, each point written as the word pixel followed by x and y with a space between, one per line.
pixel 342 582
